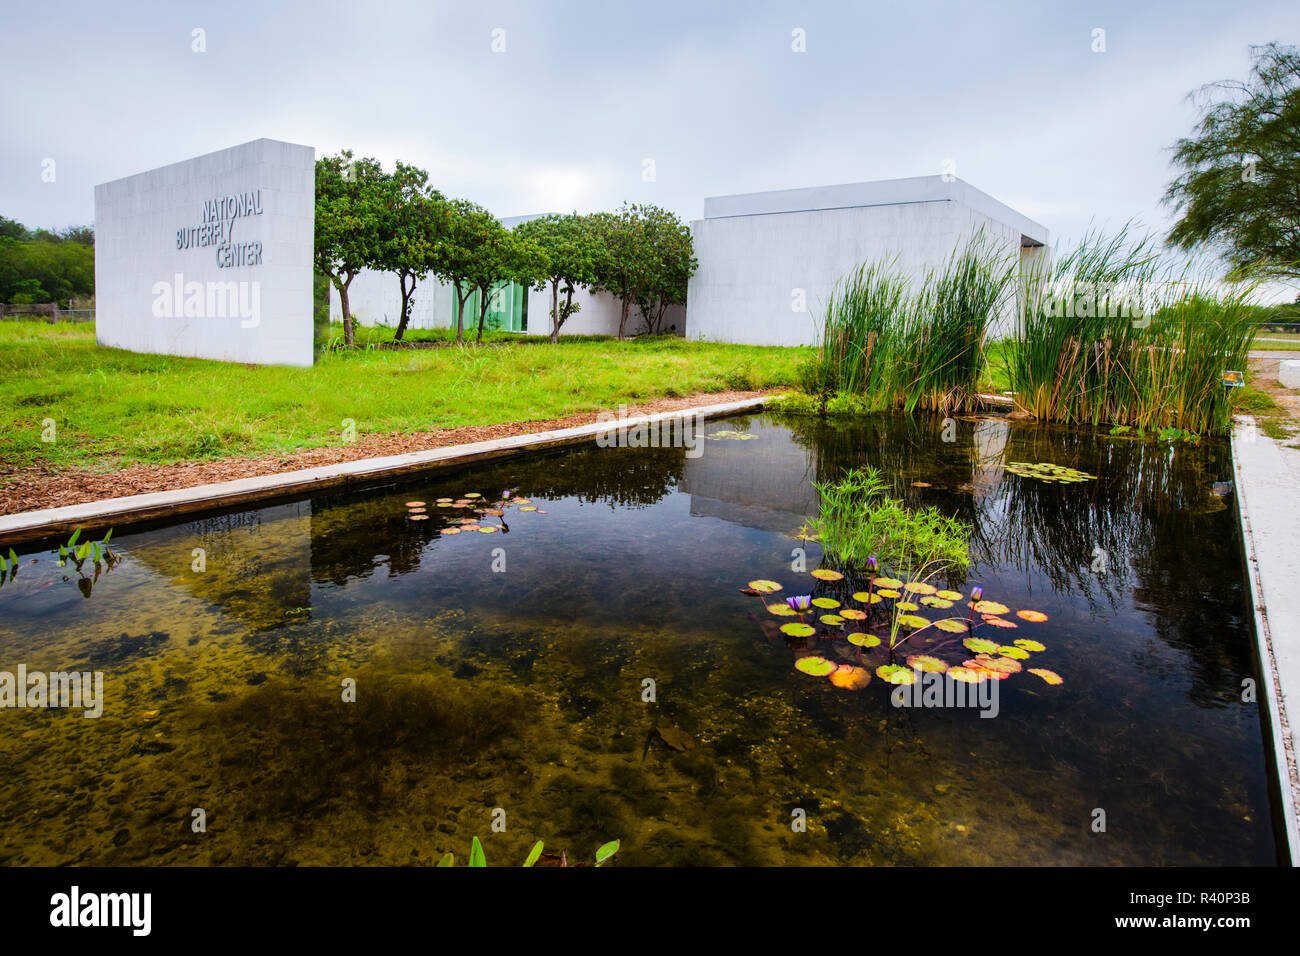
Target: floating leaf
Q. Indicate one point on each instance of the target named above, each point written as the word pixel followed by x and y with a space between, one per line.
pixel 863 640
pixel 487 529
pixel 419 517
pixel 443 500
pixel 831 619
pixel 867 597
pixel 528 508
pixel 889 593
pixel 952 625
pixel 523 501
pixel 606 851
pixel 895 674
pixel 451 530
pixel 966 675
pixel 851 614
pixel 473 494
pixel 921 484
pixel 798 629
pixel 912 620
pixel 949 595
pixel 1050 676
pixel 924 662
pixel 919 587
pixel 995 621
pixel 936 602
pixel 814 665
pixel 849 677
pixel 676 738
pixel 415 504
pixel 823 574
pixel 534 854
pixel 764 586
pixel 1015 653
pixel 781 610
pixel 990 607
pixel 1030 645
pixel 892 583
pixel 980 645
pixel 825 602
pixel 1035 616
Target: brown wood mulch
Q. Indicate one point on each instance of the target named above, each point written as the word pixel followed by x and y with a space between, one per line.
pixel 35 488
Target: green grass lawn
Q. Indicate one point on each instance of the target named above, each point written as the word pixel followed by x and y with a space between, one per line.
pixel 113 408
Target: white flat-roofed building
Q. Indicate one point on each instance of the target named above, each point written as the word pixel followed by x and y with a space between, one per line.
pixel 768 261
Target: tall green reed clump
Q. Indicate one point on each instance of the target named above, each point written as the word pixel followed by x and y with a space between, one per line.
pixel 892 346
pixel 1109 334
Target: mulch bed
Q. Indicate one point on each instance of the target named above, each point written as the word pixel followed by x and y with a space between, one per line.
pixel 36 488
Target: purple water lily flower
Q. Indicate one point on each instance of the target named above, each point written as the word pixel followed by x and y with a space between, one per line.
pixel 871 564
pixel 802 603
pixel 976 594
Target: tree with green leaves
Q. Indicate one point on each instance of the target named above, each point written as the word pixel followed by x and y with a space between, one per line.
pixel 464 255
pixel 569 243
pixel 622 265
pixel 507 257
pixel 1239 185
pixel 351 215
pixel 412 230
pixel 670 261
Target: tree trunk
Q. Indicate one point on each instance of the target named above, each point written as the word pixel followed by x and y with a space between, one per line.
pixel 482 313
pixel 625 307
pixel 348 338
pixel 460 314
pixel 406 307
pixel 555 311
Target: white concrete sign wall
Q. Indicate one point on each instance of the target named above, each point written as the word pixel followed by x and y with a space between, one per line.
pixel 210 257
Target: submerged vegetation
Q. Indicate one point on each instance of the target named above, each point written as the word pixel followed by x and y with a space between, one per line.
pixel 1108 333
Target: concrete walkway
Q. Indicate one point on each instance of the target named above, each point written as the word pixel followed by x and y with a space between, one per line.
pixel 1268 496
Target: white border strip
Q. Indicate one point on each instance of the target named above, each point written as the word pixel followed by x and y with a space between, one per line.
pixel 1284 756
pixel 31 524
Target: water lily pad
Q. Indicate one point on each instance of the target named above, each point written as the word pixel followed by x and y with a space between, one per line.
pixel 833 620
pixel 912 620
pixel 415 504
pixel 822 574
pixel 921 484
pixel 1004 664
pixel 990 607
pixel 919 587
pixel 523 501
pixel 1035 616
pixel 924 662
pixel 966 675
pixel 419 517
pixel 528 508
pixel 451 530
pixel 892 583
pixel 864 640
pixel 781 610
pixel 1029 645
pixel 889 593
pixel 867 597
pixel 849 677
pixel 1050 676
pixel 472 494
pixel 936 602
pixel 1015 653
pixel 814 665
pixel 851 614
pixel 949 595
pixel 487 529
pixel 676 738
pixel 798 629
pixel 764 586
pixel 895 674
pixel 906 606
pixel 825 602
pixel 472 526
pixel 980 645
pixel 994 621
pixel 952 625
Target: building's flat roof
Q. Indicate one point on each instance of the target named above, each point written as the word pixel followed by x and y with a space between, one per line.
pixel 882 192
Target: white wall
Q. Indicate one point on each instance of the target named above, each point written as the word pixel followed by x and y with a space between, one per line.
pixel 759 253
pixel 138 265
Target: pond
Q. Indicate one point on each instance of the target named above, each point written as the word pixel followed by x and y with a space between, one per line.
pixel 503 678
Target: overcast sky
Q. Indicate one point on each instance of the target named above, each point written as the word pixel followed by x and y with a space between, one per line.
pixel 585 93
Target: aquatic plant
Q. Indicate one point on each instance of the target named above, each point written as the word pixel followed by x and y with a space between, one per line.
pixel 859 523
pixel 477 857
pixel 1110 334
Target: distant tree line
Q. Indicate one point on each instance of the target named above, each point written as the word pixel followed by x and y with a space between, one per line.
pixel 396 222
pixel 39 266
